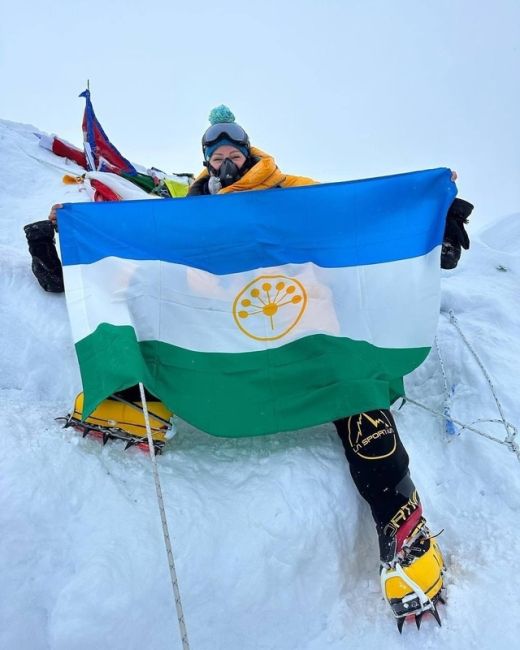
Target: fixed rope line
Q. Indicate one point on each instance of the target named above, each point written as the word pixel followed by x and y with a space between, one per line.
pixel 511 445
pixel 449 426
pixel 166 534
pixel 510 429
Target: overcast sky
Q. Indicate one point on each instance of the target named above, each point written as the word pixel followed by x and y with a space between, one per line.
pixel 336 90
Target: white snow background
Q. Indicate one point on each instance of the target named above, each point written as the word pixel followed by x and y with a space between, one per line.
pixel 274 548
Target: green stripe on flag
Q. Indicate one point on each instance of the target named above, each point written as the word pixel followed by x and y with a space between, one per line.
pixel 312 380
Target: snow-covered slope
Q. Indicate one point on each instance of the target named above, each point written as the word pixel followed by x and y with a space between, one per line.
pixel 274 548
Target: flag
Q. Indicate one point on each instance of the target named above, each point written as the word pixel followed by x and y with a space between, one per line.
pixel 62 148
pixel 105 186
pixel 257 312
pixel 100 153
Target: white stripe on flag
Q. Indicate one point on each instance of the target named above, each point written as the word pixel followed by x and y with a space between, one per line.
pixel 392 305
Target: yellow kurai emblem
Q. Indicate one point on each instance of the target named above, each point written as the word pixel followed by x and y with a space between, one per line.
pixel 269 307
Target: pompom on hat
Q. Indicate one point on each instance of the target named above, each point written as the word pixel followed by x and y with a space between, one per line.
pixel 221 115
pixel 224 131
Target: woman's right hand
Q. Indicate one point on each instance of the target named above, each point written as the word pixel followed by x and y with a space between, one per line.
pixel 52 215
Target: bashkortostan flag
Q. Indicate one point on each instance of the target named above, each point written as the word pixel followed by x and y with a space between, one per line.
pixel 258 312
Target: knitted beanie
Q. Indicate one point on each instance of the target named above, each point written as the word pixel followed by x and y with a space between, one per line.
pixel 222 115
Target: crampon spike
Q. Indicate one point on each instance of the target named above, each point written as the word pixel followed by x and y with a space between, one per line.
pixel 400 623
pixel 436 616
pixel 418 619
pixel 104 434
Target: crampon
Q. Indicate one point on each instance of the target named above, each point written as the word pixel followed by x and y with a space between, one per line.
pixel 412 583
pixel 119 419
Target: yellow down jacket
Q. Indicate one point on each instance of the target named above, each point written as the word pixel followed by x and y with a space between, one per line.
pixel 262 176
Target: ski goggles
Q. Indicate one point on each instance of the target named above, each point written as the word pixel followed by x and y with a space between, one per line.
pixel 229 130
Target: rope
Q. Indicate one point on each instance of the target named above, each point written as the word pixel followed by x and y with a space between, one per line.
pixel 166 534
pixel 449 426
pixel 512 446
pixel 138 408
pixel 510 429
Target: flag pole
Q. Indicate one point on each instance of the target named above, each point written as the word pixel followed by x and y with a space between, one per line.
pixel 166 534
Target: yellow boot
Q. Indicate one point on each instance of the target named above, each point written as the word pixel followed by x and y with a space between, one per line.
pixel 412 582
pixel 124 420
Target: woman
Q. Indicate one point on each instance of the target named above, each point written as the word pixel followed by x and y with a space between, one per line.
pixel 233 165
pixel 411 562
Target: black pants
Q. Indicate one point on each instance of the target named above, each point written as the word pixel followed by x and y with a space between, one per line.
pixel 379 466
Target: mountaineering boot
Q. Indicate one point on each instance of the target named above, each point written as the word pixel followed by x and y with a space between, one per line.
pixel 455 235
pixel 46 264
pixel 116 419
pixel 412 570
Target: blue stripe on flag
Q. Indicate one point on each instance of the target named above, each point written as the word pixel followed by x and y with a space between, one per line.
pixel 333 225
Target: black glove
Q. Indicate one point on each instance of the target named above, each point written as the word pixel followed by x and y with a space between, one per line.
pixel 46 264
pixel 455 236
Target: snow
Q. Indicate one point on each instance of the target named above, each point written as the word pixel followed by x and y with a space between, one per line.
pixel 274 548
